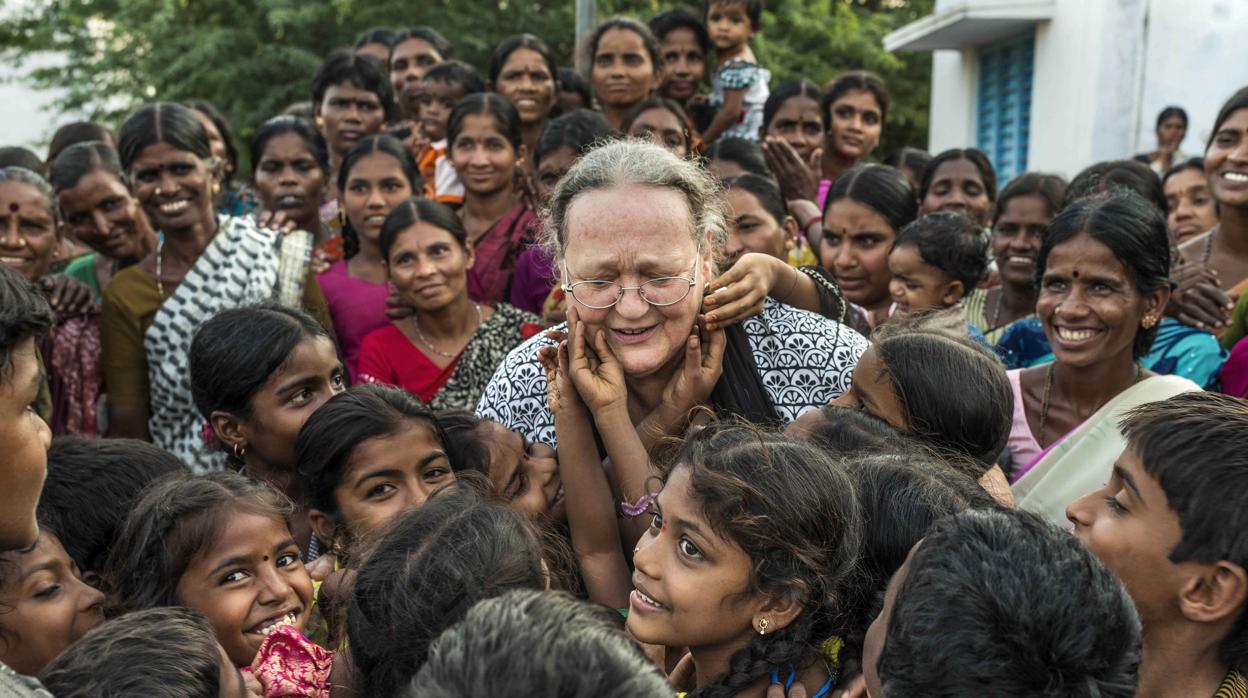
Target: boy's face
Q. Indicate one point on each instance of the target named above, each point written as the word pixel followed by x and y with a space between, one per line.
pixel 1129 525
pixel 917 286
pixel 26 438
pixel 728 24
pixel 437 99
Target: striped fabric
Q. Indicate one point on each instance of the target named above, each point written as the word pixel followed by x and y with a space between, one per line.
pixel 1233 686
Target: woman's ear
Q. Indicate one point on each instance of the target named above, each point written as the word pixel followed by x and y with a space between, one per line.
pixel 323 525
pixel 790 230
pixel 470 254
pixel 228 430
pixel 1155 302
pixel 778 612
pixel 521 153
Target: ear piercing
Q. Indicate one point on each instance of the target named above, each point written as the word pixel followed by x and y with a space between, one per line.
pixel 762 626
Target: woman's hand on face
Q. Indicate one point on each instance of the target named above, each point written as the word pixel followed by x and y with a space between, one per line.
pixel 797 179
pixel 396 309
pixel 596 373
pixel 704 364
pixel 321 261
pixel 277 221
pixel 739 293
pixel 560 390
pixel 66 294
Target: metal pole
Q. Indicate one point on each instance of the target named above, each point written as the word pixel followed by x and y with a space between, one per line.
pixel 585 11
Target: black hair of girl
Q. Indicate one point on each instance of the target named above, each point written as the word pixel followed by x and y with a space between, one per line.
pixel 175 519
pixel 416 210
pixel 667 22
pixel 855 81
pixel 571 81
pixel 1132 228
pixel 377 35
pixel 791 508
pixel 955 393
pixel 900 496
pixel 361 70
pixel 951 243
pixel 1196 163
pixel 1169 112
pixel 235 352
pixel 78 132
pixel 282 125
pixel 793 87
pixel 753 10
pixel 975 156
pixel 433 565
pixel 162 122
pixel 510 45
pixel 1237 101
pixel 913 159
pixel 765 190
pixel 880 188
pixel 625 24
pixel 17 156
pixel 671 106
pixel 578 130
pixel 223 127
pixel 379 143
pixel 81 159
pixel 506 118
pixel 428 35
pixel 465 435
pixel 24 313
pixel 1118 175
pixel 453 72
pixel 746 153
pixel 329 437
pixel 1049 187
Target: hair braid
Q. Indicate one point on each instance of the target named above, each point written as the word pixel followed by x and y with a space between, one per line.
pixel 785 646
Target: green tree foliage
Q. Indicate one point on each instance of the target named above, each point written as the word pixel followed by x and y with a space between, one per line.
pixel 252 58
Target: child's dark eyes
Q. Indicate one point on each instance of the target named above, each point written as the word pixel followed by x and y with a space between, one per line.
pixel 688 549
pixel 287 560
pixel 48 592
pixel 656 521
pixel 435 474
pixel 379 491
pixel 235 576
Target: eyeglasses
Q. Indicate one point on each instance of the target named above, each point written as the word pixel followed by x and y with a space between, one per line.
pixel 660 292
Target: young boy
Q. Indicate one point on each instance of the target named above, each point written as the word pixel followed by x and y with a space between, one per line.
pixel 24 316
pixel 1172 523
pixel 739 86
pixel 443 85
pixel 998 603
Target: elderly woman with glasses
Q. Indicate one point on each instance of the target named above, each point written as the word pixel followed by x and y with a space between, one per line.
pixel 635 231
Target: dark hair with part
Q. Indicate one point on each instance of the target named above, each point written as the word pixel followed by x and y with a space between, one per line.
pixel 487 653
pixel 577 130
pixel 282 125
pixel 747 154
pixel 881 189
pixel 765 190
pixel 952 244
pixel 975 156
pixel 789 89
pixel 506 118
pixel 1170 112
pixel 92 485
pixel 629 24
pixel 158 652
pixel 1132 228
pixel 1237 101
pixel 223 129
pixel 669 21
pixel 1116 176
pixel 174 520
pixel 453 72
pixel 430 36
pixel 999 603
pixel 670 106
pixel 163 122
pixel 424 575
pixel 571 81
pixel 79 132
pixel 792 510
pixel 417 210
pixel 24 314
pixel 377 35
pixel 81 159
pixel 1195 445
pixel 913 159
pixel 16 156
pixel 855 81
pixel 1051 188
pixel 363 71
pixel 513 43
pixel 1196 163
pixel 845 432
pixel 753 10
pixel 370 145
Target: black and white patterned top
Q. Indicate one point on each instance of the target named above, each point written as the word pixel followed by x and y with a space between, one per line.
pixel 804 359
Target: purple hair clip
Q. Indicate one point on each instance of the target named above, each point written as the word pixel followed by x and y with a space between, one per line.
pixel 207 434
pixel 642 506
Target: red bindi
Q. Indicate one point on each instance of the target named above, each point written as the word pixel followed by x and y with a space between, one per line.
pixel 13 207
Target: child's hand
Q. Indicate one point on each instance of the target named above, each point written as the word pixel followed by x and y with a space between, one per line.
pixel 596 373
pixel 321 261
pixel 739 293
pixel 704 364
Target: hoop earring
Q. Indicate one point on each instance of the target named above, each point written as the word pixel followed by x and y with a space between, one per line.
pixel 239 451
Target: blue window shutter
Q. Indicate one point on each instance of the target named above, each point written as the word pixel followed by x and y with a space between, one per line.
pixel 1003 113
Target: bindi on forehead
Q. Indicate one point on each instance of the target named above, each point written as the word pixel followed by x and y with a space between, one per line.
pixel 14 207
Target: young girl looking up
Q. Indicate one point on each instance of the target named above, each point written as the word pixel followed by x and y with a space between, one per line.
pixel 218 543
pixel 376 174
pixel 368 455
pixel 739 83
pixel 935 262
pixel 446 351
pixel 752 541
pixel 485 145
pixel 257 374
pixel 44 604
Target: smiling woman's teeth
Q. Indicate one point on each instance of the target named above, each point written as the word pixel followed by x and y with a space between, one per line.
pixel 174 206
pixel 269 627
pixel 1236 176
pixel 632 332
pixel 648 600
pixel 1074 335
pixel 1019 260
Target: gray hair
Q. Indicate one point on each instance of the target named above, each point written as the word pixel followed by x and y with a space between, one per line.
pixel 25 176
pixel 635 162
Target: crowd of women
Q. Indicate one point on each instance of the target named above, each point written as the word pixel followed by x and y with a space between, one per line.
pixel 656 380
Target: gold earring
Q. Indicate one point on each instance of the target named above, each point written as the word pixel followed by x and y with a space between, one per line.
pixel 320 122
pixel 216 188
pixel 239 451
pixel 1149 322
pixel 762 626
